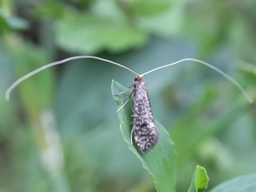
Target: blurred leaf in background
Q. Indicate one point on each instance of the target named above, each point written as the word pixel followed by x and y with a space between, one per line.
pixel 60 132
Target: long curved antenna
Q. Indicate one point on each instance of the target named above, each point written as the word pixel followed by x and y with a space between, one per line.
pixel 247 96
pixel 9 90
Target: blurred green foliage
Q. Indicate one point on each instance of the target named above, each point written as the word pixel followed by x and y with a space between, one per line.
pixel 60 132
pixel 199 181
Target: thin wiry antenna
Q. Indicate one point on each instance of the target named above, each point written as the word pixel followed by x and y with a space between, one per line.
pixel 247 96
pixel 8 91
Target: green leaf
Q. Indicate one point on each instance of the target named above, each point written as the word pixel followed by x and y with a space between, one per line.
pixel 90 33
pixel 242 184
pixel 150 7
pixel 199 181
pixel 12 22
pixel 159 162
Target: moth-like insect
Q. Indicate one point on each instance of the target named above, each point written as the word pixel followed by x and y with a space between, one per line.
pixel 146 134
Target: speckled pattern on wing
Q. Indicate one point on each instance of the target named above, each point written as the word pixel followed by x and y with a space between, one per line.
pixel 146 134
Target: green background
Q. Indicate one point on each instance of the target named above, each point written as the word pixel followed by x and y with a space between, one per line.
pixel 59 132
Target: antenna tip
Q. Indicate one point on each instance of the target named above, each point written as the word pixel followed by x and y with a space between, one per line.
pixel 7 97
pixel 248 97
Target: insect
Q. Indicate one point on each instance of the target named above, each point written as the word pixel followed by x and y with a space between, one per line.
pixel 145 132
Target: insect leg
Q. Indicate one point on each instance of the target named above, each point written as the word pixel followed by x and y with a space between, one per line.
pixel 124 90
pixel 131 135
pixel 125 102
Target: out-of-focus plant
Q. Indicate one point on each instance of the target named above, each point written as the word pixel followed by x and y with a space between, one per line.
pixel 59 132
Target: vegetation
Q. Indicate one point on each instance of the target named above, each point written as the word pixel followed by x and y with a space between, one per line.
pixel 59 131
